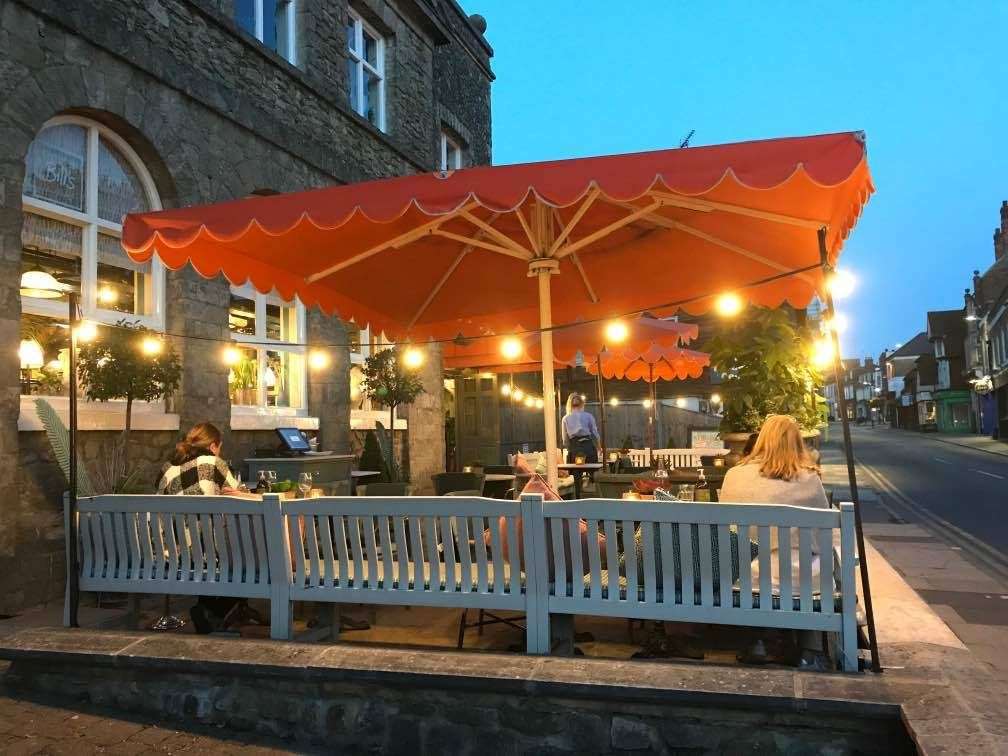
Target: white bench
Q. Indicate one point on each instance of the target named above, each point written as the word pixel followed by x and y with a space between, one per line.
pixel 410 551
pixel 804 601
pixel 188 545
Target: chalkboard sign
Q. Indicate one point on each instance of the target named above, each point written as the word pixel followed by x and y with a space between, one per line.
pixel 705 439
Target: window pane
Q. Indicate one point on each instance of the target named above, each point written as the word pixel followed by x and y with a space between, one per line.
pixel 282 378
pixel 270 11
pixel 243 377
pixel 119 188
pixel 245 15
pixel 351 34
pixel 51 246
pixel 44 359
pixel 123 285
pixel 281 322
pixel 372 95
pixel 55 167
pixel 284 18
pixel 370 49
pixel 352 67
pixel 241 316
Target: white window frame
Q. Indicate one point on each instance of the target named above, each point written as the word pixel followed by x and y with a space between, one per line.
pixel 91 225
pixel 262 344
pixel 451 153
pixel 259 32
pixel 357 56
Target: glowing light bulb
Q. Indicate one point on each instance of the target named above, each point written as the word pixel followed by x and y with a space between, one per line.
pixel 86 331
pixel 539 403
pixel 151 346
pixel 822 352
pixel 616 332
pixel 318 359
pixel 613 402
pixel 841 284
pixel 837 323
pixel 232 356
pixel 680 402
pixel 728 305
pixel 529 402
pixel 646 404
pixel 511 348
pixel 107 295
pixel 413 358
pixel 506 389
pixel 518 394
pixel 715 398
pixel 30 353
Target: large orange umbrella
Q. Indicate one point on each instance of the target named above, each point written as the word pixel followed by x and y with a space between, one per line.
pixel 474 251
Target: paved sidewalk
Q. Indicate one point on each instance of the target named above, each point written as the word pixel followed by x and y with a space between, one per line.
pixel 971 441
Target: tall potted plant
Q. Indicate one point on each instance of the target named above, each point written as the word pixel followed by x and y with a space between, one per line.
pixel 763 358
pixel 387 381
pixel 128 362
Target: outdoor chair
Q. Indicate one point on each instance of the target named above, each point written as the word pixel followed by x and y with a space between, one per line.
pixel 384 489
pixel 457 484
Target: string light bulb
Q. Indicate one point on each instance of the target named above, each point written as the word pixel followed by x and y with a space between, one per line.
pixel 413 358
pixel 613 402
pixel 646 404
pixel 822 352
pixel 232 355
pixel 728 305
pixel 529 402
pixel 86 331
pixel 616 332
pixel 30 354
pixel 318 359
pixel 841 284
pixel 539 403
pixel 715 398
pixel 511 348
pixel 107 295
pixel 151 346
pixel 506 389
pixel 837 323
pixel 518 394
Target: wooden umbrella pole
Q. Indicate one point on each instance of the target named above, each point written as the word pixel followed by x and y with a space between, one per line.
pixel 543 269
pixel 600 391
pixel 651 418
pixel 73 573
pixel 849 453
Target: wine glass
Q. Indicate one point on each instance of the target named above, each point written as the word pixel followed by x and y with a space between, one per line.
pixel 271 478
pixel 305 484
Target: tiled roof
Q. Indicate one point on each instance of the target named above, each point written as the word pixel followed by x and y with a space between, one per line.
pixel 917 346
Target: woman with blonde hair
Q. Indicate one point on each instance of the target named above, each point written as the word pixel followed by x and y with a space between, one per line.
pixel 780 470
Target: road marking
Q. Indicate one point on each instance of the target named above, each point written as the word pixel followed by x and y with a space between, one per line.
pixel 943 461
pixel 990 557
pixel 993 475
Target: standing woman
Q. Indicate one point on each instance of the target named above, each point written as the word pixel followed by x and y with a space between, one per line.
pixel 580 433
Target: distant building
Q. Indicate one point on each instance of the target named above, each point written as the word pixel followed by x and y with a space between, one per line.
pixel 893 368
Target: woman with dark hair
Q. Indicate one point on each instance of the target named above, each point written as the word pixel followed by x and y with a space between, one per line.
pixel 196 468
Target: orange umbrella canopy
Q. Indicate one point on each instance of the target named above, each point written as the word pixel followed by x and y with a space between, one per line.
pixel 655 364
pixel 506 353
pixel 438 254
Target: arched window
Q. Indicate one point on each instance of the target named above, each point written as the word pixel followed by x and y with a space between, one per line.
pixel 81 179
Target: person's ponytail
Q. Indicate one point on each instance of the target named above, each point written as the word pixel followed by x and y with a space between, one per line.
pixel 196 443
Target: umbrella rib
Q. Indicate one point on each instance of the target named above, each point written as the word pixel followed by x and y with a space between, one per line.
pixel 525 226
pixel 486 228
pixel 584 277
pixel 588 202
pixel 444 279
pixel 639 212
pixel 524 256
pixel 706 206
pixel 668 223
pixel 395 243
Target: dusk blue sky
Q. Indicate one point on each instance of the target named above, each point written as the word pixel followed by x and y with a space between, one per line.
pixel 927 82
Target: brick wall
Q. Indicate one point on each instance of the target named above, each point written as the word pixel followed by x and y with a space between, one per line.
pixel 214 115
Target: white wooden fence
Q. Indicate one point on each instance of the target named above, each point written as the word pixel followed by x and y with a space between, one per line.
pixel 450 552
pixel 672 457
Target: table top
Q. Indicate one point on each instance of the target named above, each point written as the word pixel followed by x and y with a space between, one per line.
pixel 491 477
pixel 582 466
pixel 307 456
pixel 364 473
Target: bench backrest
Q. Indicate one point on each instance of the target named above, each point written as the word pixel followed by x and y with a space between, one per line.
pixel 684 457
pixel 459 545
pixel 184 544
pixel 677 559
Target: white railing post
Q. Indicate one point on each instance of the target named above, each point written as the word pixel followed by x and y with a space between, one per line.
pixel 278 548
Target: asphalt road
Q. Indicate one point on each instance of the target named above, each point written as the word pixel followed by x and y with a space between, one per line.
pixel 966 487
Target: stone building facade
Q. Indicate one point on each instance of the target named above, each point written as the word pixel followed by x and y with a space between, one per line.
pixel 112 106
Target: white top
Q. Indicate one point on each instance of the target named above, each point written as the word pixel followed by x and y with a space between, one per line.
pixel 579 424
pixel 743 484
